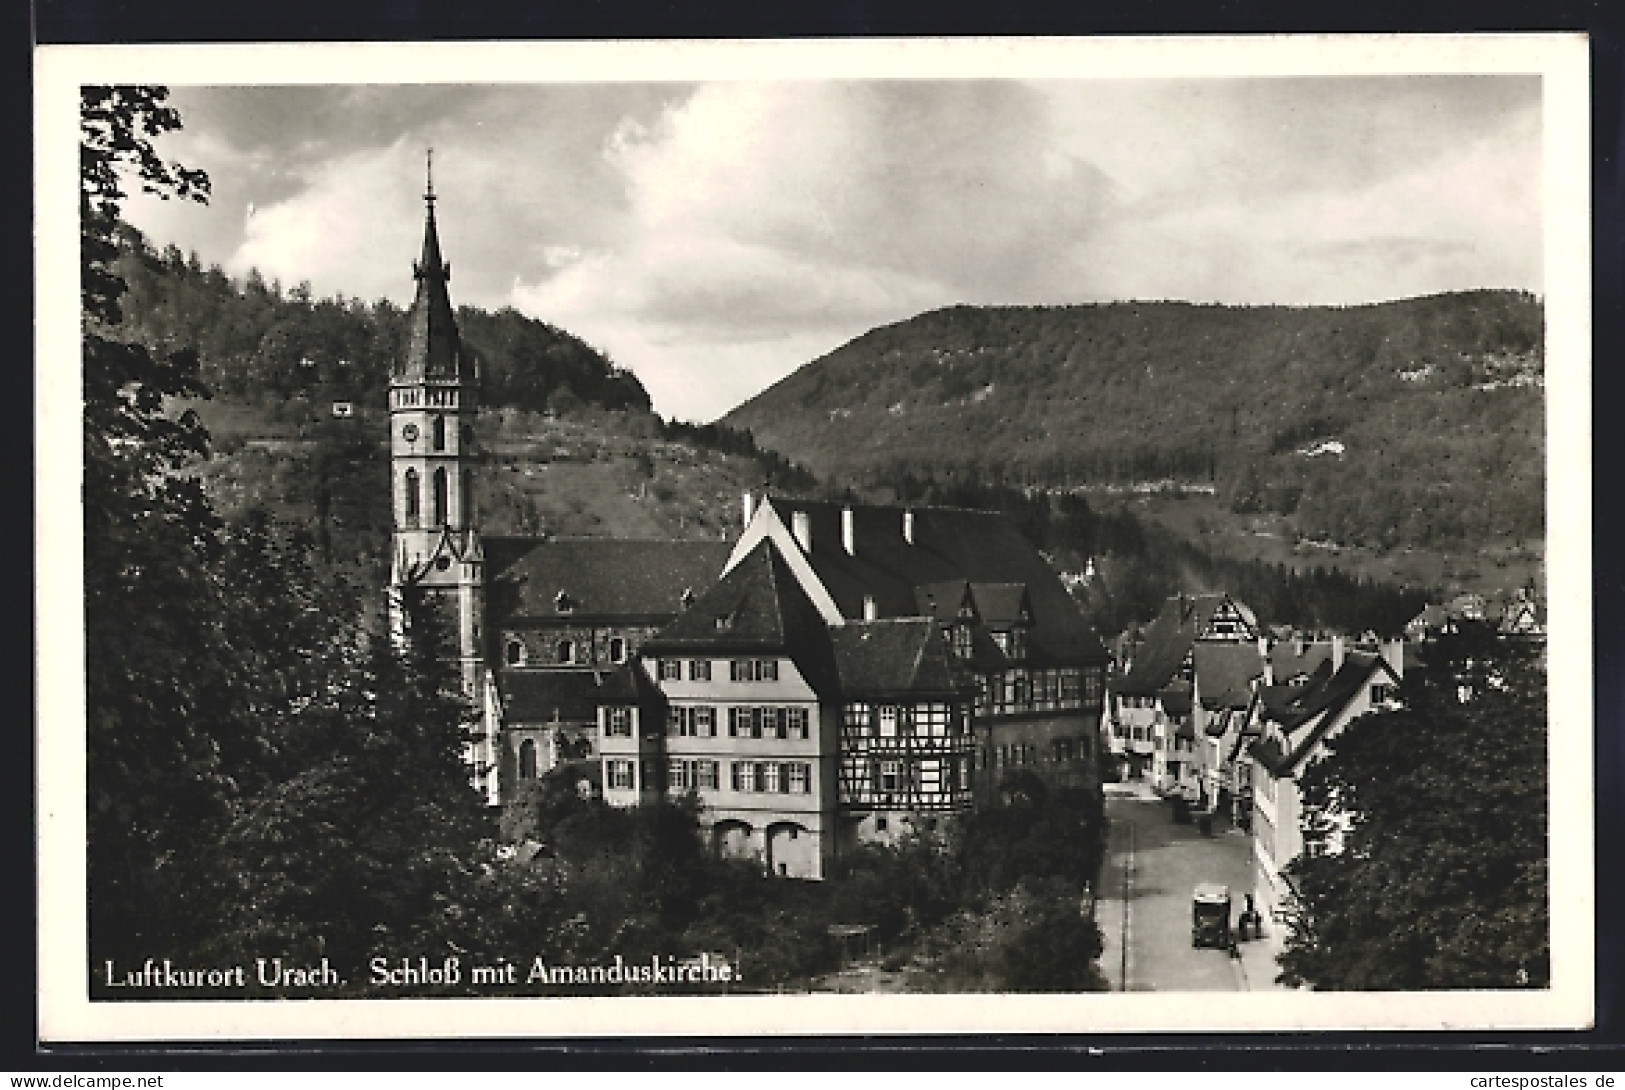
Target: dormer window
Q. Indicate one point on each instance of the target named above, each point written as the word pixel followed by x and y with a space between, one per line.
pixel 563 603
pixel 724 622
pixel 962 641
pixel 688 597
pixel 566 652
pixel 515 653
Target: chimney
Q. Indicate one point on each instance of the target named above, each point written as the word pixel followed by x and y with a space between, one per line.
pixel 848 537
pixel 1394 652
pixel 870 610
pixel 1337 652
pixel 801 527
pixel 908 527
pixel 747 507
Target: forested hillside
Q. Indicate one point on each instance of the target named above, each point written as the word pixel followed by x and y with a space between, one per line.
pixel 1416 422
pixel 569 440
pixel 283 349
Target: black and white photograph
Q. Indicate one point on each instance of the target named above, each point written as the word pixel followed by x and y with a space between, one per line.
pixel 967 535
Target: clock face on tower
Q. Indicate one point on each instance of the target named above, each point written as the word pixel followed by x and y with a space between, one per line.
pixel 410 432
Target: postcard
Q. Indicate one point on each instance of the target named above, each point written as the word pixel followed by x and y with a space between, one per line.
pixel 884 536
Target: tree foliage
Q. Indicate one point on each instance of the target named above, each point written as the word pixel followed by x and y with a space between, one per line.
pixel 286 351
pixel 1425 838
pixel 265 771
pixel 156 779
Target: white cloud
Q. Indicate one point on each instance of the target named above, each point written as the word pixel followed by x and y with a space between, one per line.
pixel 714 238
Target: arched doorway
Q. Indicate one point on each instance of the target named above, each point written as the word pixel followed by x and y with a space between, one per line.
pixel 790 850
pixel 733 840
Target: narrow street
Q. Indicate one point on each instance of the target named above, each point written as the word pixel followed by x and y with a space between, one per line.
pixel 1144 908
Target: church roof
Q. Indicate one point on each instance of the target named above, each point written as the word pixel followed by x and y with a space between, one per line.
pixel 434 350
pixel 551 696
pixel 598 577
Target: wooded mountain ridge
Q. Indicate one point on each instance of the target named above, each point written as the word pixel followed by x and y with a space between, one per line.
pixel 1413 422
pixel 284 349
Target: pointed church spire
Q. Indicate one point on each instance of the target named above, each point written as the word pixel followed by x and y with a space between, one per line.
pixel 434 349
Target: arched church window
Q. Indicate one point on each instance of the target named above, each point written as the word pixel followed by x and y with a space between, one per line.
pixel 412 498
pixel 439 433
pixel 527 759
pixel 440 509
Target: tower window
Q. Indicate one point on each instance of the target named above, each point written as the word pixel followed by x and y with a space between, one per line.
pixel 466 498
pixel 527 760
pixel 466 435
pixel 439 433
pixel 440 490
pixel 413 499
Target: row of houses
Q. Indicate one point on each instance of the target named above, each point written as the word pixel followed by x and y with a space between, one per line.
pixel 1208 706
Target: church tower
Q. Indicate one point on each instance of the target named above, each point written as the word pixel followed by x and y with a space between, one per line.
pixel 432 407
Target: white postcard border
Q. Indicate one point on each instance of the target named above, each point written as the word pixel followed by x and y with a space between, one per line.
pixel 64 1008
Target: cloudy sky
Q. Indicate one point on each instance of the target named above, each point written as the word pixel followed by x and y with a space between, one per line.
pixel 715 236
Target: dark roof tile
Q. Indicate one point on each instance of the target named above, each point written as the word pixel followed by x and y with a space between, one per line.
pixel 902 656
pixel 1225 673
pixel 601 577
pixel 758 606
pixel 950 545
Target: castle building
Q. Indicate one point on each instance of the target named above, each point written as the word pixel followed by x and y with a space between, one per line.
pixel 839 674
pixel 857 673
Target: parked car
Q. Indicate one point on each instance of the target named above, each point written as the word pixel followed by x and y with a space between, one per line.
pixel 1210 915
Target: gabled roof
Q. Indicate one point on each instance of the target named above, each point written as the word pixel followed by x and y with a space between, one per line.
pixel 949 545
pixel 600 577
pixel 1289 658
pixel 943 601
pixel 757 605
pixel 1167 641
pixel 1001 604
pixel 1305 718
pixel 1225 673
pixel 1176 700
pixel 903 656
pixel 1220 722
